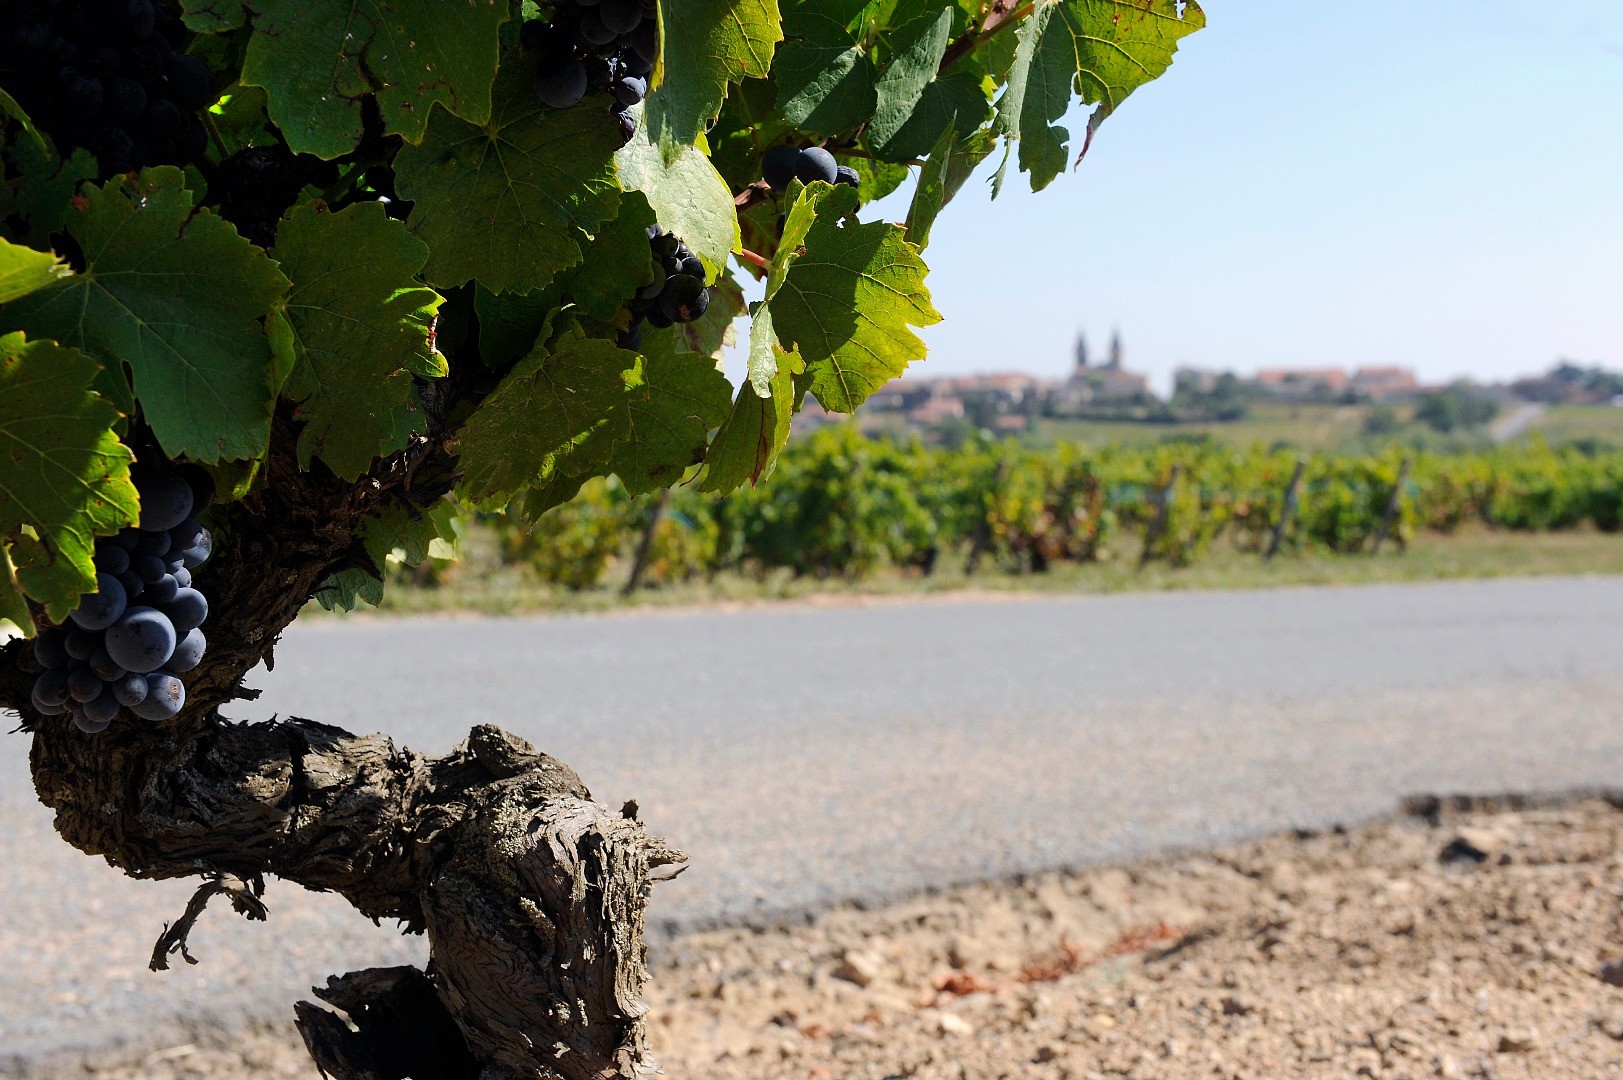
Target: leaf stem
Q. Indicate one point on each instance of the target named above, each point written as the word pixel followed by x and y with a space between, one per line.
pixel 996 19
pixel 759 261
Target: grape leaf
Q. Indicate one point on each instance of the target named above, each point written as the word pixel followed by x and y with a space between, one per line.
pixel 396 531
pixel 212 16
pixel 825 79
pixel 510 202
pixel 846 304
pixel 755 431
pixel 1102 49
pixel 671 404
pixel 704 45
pixel 510 324
pixel 954 100
pixel 24 270
pixel 13 607
pixel 917 49
pixel 63 471
pixel 688 196
pixel 943 175
pixel 318 61
pixel 360 328
pixel 618 261
pixel 44 184
pixel 174 293
pixel 546 406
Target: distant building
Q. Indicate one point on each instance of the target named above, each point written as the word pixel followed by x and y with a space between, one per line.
pixel 1385 383
pixel 1298 384
pixel 1110 383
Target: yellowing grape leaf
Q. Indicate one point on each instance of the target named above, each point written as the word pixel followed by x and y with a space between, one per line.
pixel 689 198
pixel 360 326
pixel 705 44
pixel 24 270
pixel 63 472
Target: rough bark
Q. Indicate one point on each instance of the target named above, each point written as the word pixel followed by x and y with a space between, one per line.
pixel 531 894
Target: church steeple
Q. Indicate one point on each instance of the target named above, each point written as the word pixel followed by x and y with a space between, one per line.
pixel 1115 351
pixel 1081 352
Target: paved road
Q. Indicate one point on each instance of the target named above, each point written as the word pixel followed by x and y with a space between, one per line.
pixel 1517 421
pixel 805 755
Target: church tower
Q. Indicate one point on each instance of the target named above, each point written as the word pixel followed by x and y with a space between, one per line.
pixel 1081 353
pixel 1115 351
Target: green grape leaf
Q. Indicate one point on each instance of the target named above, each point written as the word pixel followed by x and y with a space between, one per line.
pixel 63 472
pixel 510 324
pixel 318 62
pixel 1101 49
pixel 876 179
pixel 174 293
pixel 825 79
pixel 671 404
pixel 618 262
pixel 705 45
pixel 13 606
pixel 24 270
pixel 917 49
pixel 547 406
pixel 955 100
pixel 949 165
pixel 846 304
pixel 212 16
pixel 510 202
pixel 397 531
pixel 44 184
pixel 755 431
pixel 360 327
pixel 688 196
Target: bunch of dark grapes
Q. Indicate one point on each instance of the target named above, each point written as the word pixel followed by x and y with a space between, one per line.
pixel 787 162
pixel 128 643
pixel 105 75
pixel 676 295
pixel 607 44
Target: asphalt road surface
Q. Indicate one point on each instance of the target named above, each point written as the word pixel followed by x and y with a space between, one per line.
pixel 805 755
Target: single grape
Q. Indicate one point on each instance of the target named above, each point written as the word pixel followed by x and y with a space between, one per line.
pixel 692 267
pixel 630 89
pixel 183 577
pixel 131 689
pixel 188 609
pixel 165 697
pixel 148 568
pixel 561 86
pixel 630 338
pixel 135 17
pixel 83 684
pixel 816 164
pixel 127 539
pixel 82 96
pixel 644 41
pixel 175 560
pixel 192 140
pixel 111 558
pixel 685 298
pixel 87 725
pixel 184 535
pixel 133 585
pixel 779 164
pixel 105 667
pixel 143 640
pixel 112 147
pixel 163 118
pixel 47 705
pixel 101 609
pixel 103 707
pixel 621 16
pixel 80 643
pixel 845 174
pixel 163 590
pixel 658 319
pixel 652 290
pixel 202 484
pixel 126 99
pixel 51 688
pixel 632 63
pixel 152 543
pixel 198 553
pixel 191 84
pixel 593 30
pixel 188 650
pixel 49 651
pixel 166 501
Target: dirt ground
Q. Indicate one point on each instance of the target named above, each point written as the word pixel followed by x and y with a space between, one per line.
pixel 1464 940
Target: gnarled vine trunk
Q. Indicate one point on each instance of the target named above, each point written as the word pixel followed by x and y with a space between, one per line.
pixel 531 894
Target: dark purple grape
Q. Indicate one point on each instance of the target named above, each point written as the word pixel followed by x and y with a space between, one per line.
pixel 184 535
pixel 692 267
pixel 644 41
pixel 632 63
pixel 198 553
pixel 685 298
pixel 152 543
pixel 135 17
pixel 103 707
pixel 560 86
pixel 189 650
pixel 183 577
pixel 620 16
pixel 191 84
pixel 131 689
pixel 113 147
pixel 845 174
pixel 163 590
pixel 51 688
pixel 630 338
pixel 192 140
pixel 82 96
pixel 202 484
pixel 163 119
pixel 87 725
pixel 630 89
pixel 778 165
pixel 593 30
pixel 83 684
pixel 133 585
pixel 50 654
pixel 111 558
pixel 80 644
pixel 188 609
pixel 143 640
pixel 50 706
pixel 166 695
pixel 106 668
pixel 126 99
pixel 127 539
pixel 658 319
pixel 101 609
pixel 816 164
pixel 166 501
pixel 652 290
pixel 148 568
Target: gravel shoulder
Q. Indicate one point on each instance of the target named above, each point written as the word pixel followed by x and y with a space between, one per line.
pixel 1462 939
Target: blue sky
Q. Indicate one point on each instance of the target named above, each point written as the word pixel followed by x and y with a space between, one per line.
pixel 1437 184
